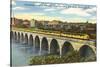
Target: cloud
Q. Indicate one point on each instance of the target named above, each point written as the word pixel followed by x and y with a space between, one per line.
pixel 37 3
pixel 49 9
pixel 92 9
pixel 75 11
pixel 19 8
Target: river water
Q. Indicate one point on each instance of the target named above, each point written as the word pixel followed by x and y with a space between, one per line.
pixel 21 54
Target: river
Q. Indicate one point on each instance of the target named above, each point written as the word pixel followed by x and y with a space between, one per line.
pixel 21 54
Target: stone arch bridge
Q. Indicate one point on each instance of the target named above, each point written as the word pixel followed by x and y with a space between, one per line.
pixel 53 44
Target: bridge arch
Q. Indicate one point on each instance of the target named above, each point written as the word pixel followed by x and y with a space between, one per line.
pixel 37 43
pixel 22 37
pixel 11 35
pixel 18 39
pixel 54 47
pixel 86 51
pixel 31 40
pixel 15 36
pixel 44 45
pixel 67 47
pixel 26 39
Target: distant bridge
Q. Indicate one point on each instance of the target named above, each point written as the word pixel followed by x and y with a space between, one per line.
pixel 54 44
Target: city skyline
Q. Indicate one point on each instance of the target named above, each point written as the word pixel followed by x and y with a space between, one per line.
pixel 30 9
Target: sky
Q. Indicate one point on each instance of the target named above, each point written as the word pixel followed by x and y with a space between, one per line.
pixel 28 9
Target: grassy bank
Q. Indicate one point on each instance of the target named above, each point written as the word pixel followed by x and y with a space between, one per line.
pixel 71 57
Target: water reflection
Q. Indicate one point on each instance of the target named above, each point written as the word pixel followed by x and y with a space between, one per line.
pixel 21 54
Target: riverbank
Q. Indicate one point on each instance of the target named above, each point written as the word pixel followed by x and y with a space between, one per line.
pixel 71 57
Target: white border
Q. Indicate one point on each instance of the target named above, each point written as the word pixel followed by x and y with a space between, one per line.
pixel 5 32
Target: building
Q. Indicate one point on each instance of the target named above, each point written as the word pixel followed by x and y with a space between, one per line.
pixel 26 23
pixel 16 22
pixel 33 22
